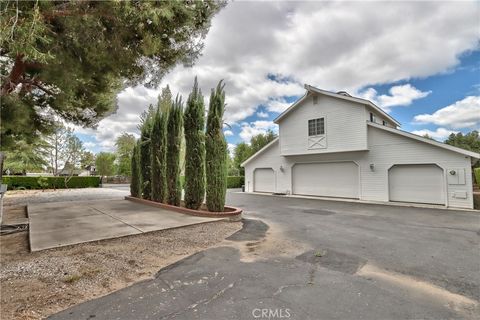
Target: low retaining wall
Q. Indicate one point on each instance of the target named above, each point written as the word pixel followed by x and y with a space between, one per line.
pixel 232 213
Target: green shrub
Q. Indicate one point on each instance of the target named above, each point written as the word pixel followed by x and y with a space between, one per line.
pixel 42 182
pixel 145 159
pixel 174 140
pixel 158 156
pixel 17 182
pixel 135 182
pixel 235 182
pixel 194 122
pixel 476 172
pixel 216 152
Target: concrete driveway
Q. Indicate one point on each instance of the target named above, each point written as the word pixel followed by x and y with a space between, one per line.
pixel 58 224
pixel 313 259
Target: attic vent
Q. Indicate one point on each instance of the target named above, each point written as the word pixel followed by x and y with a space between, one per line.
pixel 344 93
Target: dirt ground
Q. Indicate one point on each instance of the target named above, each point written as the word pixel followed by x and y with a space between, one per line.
pixel 35 285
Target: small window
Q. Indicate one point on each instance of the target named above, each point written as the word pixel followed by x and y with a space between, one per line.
pixel 316 127
pixel 384 122
pixel 372 117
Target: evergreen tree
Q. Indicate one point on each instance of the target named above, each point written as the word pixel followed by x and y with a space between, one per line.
pixel 216 151
pixel 145 158
pixel 174 138
pixel 158 156
pixel 194 123
pixel 103 45
pixel 135 182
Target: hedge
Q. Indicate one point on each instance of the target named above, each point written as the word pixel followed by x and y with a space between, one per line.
pixel 16 182
pixel 235 182
pixel 477 175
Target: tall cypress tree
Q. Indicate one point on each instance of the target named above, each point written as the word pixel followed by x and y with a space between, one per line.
pixel 159 156
pixel 216 151
pixel 194 122
pixel 145 158
pixel 136 178
pixel 174 138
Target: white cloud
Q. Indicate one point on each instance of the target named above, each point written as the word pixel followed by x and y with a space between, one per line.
pixel 231 148
pixel 402 95
pixel 440 134
pixel 262 114
pixel 228 133
pixel 461 114
pixel 253 128
pixel 331 45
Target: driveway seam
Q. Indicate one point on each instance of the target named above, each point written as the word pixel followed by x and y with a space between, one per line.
pixel 118 219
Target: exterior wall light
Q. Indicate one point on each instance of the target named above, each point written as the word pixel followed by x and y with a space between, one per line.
pixel 281 168
pixel 372 167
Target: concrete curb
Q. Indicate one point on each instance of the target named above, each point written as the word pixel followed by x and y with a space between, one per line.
pixel 234 214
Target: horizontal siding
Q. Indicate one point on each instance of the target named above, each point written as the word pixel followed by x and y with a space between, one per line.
pixel 385 150
pixel 344 122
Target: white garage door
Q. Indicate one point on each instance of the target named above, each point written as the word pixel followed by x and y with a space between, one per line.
pixel 332 179
pixel 421 183
pixel 264 180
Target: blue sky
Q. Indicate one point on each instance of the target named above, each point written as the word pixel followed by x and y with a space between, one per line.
pixel 423 67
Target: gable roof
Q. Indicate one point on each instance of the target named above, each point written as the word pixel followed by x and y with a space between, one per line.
pixel 339 95
pixel 435 143
pixel 253 156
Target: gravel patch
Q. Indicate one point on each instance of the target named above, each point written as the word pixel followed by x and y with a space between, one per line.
pixel 17 197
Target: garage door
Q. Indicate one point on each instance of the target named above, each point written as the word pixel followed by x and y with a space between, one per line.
pixel 264 180
pixel 416 183
pixel 332 179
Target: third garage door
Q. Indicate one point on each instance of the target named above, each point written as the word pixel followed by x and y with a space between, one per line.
pixel 421 183
pixel 331 179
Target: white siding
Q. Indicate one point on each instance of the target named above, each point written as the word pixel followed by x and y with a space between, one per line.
pixel 345 126
pixel 378 118
pixel 385 150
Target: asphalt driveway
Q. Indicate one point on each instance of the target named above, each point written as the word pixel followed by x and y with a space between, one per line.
pixel 314 259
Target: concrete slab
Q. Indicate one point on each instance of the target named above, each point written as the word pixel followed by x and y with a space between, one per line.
pixel 66 223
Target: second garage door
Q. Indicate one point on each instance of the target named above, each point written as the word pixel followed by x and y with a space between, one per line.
pixel 331 179
pixel 264 180
pixel 421 183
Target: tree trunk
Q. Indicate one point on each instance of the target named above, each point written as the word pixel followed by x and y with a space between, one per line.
pixel 15 76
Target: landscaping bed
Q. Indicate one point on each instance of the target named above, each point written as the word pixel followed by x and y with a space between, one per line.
pixel 230 212
pixel 36 285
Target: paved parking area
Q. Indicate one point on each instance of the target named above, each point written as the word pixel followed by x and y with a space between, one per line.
pixel 317 259
pixel 58 224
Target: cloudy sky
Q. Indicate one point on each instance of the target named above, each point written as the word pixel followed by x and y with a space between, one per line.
pixel 418 61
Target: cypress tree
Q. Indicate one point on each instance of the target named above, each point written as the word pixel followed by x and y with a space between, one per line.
pixel 194 122
pixel 145 158
pixel 174 138
pixel 158 156
pixel 135 180
pixel 216 151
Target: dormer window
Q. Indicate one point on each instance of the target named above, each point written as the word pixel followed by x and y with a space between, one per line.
pixel 316 127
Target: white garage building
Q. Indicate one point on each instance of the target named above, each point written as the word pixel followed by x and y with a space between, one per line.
pixel 335 145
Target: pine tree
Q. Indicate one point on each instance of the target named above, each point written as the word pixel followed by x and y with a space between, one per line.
pixel 216 151
pixel 158 156
pixel 136 178
pixel 145 158
pixel 174 138
pixel 194 122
